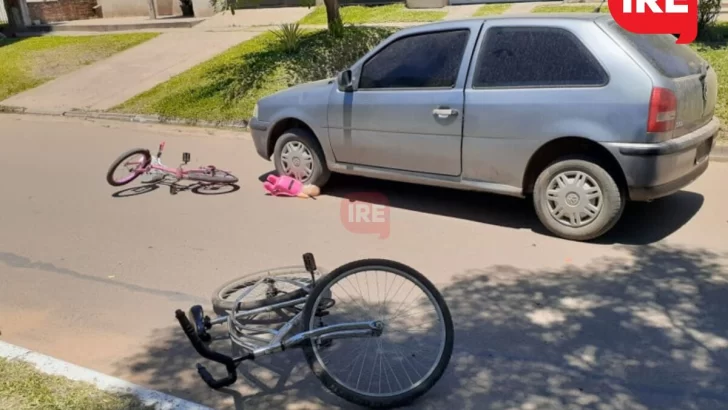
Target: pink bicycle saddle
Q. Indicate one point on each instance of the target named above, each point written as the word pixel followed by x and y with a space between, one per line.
pixel 282 186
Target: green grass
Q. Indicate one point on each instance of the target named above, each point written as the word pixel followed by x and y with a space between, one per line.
pixel 27 63
pixel 227 87
pixel 716 53
pixel 568 9
pixel 391 13
pixel 491 9
pixel 22 387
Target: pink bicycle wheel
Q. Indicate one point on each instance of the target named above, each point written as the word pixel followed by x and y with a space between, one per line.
pixel 131 164
pixel 211 175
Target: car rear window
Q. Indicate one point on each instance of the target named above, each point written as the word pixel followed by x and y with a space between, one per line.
pixel 670 59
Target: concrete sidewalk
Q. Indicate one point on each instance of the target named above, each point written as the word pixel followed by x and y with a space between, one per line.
pixel 118 24
pixel 110 82
pixel 254 17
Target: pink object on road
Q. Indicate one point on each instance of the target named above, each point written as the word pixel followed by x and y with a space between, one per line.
pixel 283 186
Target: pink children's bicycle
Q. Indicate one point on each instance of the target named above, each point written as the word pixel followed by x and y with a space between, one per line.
pixel 131 164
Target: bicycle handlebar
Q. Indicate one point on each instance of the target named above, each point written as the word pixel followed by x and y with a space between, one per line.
pixel 205 352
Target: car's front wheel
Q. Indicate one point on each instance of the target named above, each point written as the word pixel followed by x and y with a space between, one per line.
pixel 577 199
pixel 298 154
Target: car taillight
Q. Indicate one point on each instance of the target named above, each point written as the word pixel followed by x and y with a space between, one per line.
pixel 663 110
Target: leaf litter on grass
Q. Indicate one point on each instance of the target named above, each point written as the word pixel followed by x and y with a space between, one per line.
pixel 23 387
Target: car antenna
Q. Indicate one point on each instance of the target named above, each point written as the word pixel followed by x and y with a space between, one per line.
pixel 598 9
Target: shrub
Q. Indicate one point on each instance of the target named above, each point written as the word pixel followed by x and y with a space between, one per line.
pixel 319 55
pixel 708 11
pixel 289 36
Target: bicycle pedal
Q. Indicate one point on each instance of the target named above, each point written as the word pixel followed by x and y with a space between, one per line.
pixel 309 262
pixel 186 157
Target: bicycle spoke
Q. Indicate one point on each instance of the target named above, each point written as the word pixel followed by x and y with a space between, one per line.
pixel 405 299
pixel 391 319
pixel 357 289
pixel 394 374
pixel 362 363
pixel 407 360
pixel 405 353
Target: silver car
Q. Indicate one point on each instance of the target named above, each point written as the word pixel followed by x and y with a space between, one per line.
pixel 570 110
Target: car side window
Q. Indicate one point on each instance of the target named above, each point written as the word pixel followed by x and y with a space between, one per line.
pixel 428 60
pixel 535 57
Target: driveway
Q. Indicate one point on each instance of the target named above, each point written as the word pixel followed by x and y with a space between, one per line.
pixel 93 275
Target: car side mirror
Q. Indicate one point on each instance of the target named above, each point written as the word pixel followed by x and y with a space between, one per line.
pixel 345 81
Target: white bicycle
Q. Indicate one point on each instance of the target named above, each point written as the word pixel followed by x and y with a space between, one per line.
pixel 375 332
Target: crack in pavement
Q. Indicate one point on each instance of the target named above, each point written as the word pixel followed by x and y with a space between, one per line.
pixel 21 262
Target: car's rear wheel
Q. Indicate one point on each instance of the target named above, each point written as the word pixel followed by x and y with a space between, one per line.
pixel 298 155
pixel 577 199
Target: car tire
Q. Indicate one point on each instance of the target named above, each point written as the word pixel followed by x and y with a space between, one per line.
pixel 320 173
pixel 580 187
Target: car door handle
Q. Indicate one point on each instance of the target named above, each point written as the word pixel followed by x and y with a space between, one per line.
pixel 444 112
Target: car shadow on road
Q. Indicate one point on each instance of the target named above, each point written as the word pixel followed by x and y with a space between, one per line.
pixel 641 223
pixel 643 332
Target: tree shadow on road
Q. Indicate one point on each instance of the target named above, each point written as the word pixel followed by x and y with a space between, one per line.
pixel 644 332
pixel 641 223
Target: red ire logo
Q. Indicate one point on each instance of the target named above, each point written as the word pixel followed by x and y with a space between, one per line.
pixel 366 212
pixel 679 17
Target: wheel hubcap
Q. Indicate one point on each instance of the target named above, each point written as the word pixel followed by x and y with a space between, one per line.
pixel 574 198
pixel 297 161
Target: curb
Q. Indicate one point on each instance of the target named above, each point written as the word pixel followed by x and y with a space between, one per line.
pixel 49 365
pixel 105 28
pixel 719 153
pixel 241 125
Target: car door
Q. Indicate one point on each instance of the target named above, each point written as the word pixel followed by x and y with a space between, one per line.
pixel 406 112
pixel 532 82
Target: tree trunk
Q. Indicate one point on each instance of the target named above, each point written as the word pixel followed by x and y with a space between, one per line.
pixel 152 9
pixel 333 18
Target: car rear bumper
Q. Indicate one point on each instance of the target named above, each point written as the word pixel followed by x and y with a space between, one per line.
pixel 657 170
pixel 647 193
pixel 259 132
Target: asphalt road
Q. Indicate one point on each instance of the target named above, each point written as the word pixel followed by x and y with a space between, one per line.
pixel 93 276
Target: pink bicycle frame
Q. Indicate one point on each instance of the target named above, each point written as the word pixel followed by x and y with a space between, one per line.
pixel 156 163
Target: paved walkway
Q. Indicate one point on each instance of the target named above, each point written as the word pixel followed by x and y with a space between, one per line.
pixel 110 82
pixel 461 11
pixel 526 7
pixel 254 17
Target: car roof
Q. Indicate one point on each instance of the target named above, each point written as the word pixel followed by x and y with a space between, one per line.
pixel 555 17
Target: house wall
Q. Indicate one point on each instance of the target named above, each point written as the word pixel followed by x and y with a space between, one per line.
pixel 4 19
pixel 49 11
pixel 138 8
pixel 203 8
